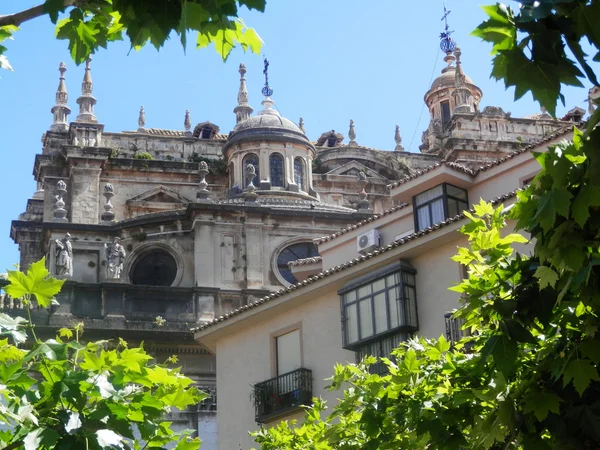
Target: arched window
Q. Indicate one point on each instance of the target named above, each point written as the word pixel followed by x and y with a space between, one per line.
pixel 276 168
pixel 250 158
pixel 299 174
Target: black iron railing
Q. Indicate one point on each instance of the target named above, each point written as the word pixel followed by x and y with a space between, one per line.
pixel 282 395
pixel 454 331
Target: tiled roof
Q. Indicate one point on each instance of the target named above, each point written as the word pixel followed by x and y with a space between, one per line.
pixel 359 224
pixel 473 172
pixel 305 261
pixel 179 133
pixel 346 265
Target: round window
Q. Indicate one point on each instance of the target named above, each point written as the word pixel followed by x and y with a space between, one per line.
pixel 155 268
pixel 292 253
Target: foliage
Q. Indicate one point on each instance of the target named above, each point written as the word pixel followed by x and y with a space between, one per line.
pixel 64 393
pixel 216 166
pixel 530 46
pixel 89 25
pixel 143 155
pixel 319 167
pixel 528 375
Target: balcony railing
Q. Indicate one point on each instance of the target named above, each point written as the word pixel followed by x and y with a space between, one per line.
pixel 454 331
pixel 283 394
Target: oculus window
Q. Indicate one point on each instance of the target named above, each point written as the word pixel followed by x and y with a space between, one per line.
pixel 378 306
pixel 154 268
pixel 292 253
pixel 438 204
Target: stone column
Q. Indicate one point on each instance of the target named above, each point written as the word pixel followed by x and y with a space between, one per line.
pixel 204 251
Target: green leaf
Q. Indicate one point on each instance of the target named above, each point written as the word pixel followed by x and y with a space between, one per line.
pixel 582 372
pixel 553 202
pixel 591 350
pixel 547 276
pixel 587 197
pixel 53 8
pixel 37 282
pixel 542 403
pixel 14 327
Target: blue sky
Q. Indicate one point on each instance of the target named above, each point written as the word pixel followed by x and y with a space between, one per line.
pixel 331 61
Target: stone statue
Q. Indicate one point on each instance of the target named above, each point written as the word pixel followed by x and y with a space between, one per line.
pixel 115 255
pixel 64 256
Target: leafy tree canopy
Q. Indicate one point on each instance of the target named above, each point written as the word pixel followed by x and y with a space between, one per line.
pixel 66 394
pixel 528 375
pixel 90 24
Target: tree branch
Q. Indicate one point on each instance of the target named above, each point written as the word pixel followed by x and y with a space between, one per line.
pixel 32 13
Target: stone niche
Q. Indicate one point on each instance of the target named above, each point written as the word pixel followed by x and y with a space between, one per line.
pixel 86 264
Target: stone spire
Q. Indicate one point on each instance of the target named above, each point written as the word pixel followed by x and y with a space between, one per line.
pixel 352 134
pixel 60 109
pixel 87 101
pixel 462 94
pixel 243 110
pixel 187 122
pixel 301 125
pixel 142 119
pixel 398 140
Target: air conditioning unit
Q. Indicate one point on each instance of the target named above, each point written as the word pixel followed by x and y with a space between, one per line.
pixel 368 241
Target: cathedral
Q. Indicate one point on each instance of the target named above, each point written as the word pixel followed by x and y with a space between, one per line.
pixel 158 231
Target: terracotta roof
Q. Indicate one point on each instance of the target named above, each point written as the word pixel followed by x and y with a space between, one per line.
pixel 305 261
pixel 483 168
pixel 178 133
pixel 345 266
pixel 420 172
pixel 359 224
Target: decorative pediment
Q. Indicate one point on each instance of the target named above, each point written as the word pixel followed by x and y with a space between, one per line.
pixel 353 168
pixel 159 194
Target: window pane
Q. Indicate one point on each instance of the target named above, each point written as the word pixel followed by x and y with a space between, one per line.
pixel 409 278
pixel 351 324
pixel 445 112
pixel 423 219
pixel 391 280
pixel 429 195
pixel 462 206
pixel 379 285
pixel 366 318
pixel 299 173
pixel 365 290
pixel 453 191
pixel 380 313
pixel 350 296
pixel 394 299
pixel 288 352
pixel 437 211
pixel 411 305
pixel 452 208
pixel 276 168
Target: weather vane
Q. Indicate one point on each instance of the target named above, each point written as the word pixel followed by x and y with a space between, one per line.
pixel 447 44
pixel 267 91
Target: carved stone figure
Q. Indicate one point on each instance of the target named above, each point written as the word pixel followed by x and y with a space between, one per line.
pixel 115 256
pixel 64 256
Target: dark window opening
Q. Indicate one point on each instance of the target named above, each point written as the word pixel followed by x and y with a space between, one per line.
pixel 445 112
pixel 292 253
pixel 206 133
pixel 276 168
pixel 438 204
pixel 331 141
pixel 299 175
pixel 375 309
pixel 155 268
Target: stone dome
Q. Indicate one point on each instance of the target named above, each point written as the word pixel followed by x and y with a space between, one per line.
pixel 267 125
pixel 448 79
